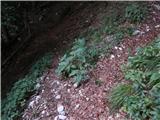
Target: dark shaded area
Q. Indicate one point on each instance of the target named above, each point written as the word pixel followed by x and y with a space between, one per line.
pixel 50 25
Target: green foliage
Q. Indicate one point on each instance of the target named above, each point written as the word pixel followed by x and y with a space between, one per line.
pixel 77 61
pixel 14 103
pixel 112 27
pixel 143 73
pixel 119 95
pixel 135 12
pixel 98 82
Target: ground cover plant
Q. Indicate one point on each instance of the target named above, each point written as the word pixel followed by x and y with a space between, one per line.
pixel 140 98
pixel 136 12
pixel 14 103
pixel 76 62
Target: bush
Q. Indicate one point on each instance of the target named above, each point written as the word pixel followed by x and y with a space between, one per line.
pixel 143 73
pixel 135 12
pixel 14 103
pixel 77 61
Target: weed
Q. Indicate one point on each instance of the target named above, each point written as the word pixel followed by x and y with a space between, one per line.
pixel 14 103
pixel 135 12
pixel 77 61
pixel 143 72
pixel 98 82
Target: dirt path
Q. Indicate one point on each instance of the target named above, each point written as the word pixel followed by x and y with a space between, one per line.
pixel 59 99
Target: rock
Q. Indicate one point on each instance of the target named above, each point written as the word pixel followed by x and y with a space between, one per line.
pixel 69 90
pixel 77 106
pixel 42 91
pixel 136 32
pixel 43 112
pixel 120 48
pixel 60 108
pixel 87 99
pixel 147 29
pixel 142 33
pixel 58 97
pixel 57 82
pixel 56 118
pixel 75 85
pixel 37 98
pixel 80 93
pixel 62 117
pixel 116 47
pixel 38 86
pixel 31 104
pixel 62 113
pixel 157 26
pixel 112 56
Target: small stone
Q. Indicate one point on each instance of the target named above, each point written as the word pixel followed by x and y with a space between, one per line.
pixel 112 56
pixel 120 48
pixel 62 113
pixel 117 115
pixel 75 85
pixel 56 118
pixel 42 91
pixel 77 106
pixel 57 82
pixel 37 98
pixel 157 26
pixel 116 47
pixel 118 55
pixel 47 78
pixel 31 104
pixel 147 29
pixel 69 90
pixel 62 117
pixel 38 86
pixel 43 112
pixel 47 114
pixel 80 93
pixel 58 97
pixel 136 32
pixel 87 99
pixel 142 33
pixel 60 108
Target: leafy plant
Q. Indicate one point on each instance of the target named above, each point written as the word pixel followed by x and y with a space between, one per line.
pixel 135 12
pixel 143 73
pixel 118 95
pixel 98 82
pixel 14 103
pixel 77 61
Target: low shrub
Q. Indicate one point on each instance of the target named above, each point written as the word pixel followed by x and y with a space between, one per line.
pixel 135 12
pixel 76 62
pixel 14 103
pixel 143 73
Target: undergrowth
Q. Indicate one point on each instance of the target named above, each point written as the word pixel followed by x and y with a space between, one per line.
pixel 76 62
pixel 14 103
pixel 136 12
pixel 143 73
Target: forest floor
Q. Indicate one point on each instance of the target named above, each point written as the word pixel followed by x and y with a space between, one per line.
pixel 58 99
